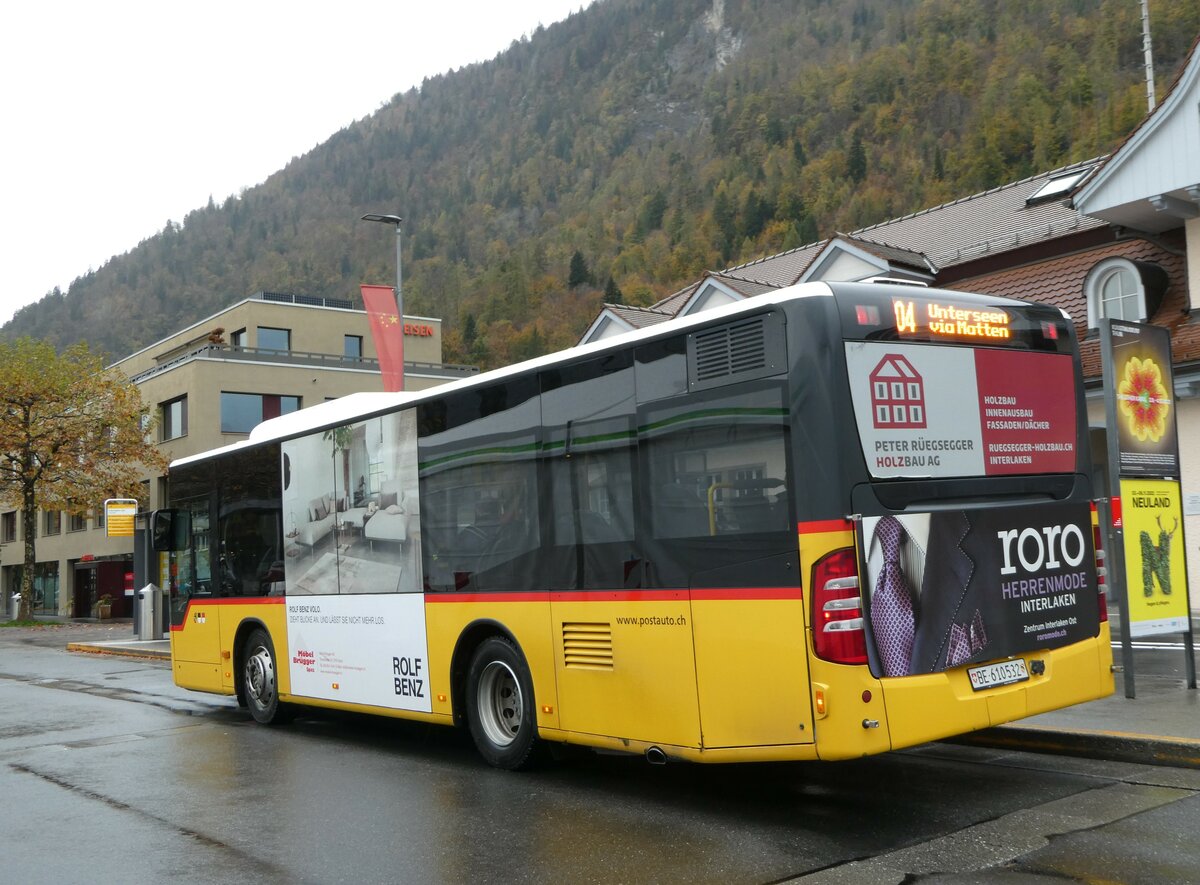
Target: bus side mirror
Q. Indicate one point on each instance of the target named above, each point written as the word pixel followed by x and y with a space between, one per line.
pixel 168 529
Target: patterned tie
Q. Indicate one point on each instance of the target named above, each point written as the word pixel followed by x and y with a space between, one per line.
pixel 891 605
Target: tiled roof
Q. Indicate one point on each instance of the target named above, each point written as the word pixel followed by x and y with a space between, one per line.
pixel 1059 281
pixel 891 254
pixel 744 286
pixel 672 304
pixel 983 224
pixel 639 317
pixel 779 270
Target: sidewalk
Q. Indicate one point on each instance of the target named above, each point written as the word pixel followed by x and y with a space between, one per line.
pixel 1161 726
pixel 113 636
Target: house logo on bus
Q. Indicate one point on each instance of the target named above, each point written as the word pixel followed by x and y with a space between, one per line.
pixel 897 395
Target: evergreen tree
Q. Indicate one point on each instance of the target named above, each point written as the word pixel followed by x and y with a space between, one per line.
pixel 612 293
pixel 579 274
pixel 856 160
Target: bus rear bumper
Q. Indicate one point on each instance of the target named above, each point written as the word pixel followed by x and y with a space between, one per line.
pixel 942 705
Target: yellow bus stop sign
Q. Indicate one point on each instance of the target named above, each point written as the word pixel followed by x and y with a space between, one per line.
pixel 118 517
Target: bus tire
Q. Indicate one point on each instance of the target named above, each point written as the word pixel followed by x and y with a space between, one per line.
pixel 500 707
pixel 260 680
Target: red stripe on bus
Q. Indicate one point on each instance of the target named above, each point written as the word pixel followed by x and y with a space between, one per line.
pixel 749 593
pixel 499 596
pixel 699 593
pixel 240 600
pixel 825 525
pixel 746 593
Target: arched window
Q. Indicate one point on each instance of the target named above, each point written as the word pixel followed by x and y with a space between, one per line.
pixel 1116 289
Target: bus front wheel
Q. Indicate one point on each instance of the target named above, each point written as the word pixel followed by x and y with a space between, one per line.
pixel 500 709
pixel 260 681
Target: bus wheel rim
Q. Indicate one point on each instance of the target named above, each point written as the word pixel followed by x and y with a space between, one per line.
pixel 500 703
pixel 260 677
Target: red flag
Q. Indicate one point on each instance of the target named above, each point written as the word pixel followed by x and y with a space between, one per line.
pixel 387 328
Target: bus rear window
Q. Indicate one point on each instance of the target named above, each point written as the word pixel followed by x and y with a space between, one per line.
pixel 932 411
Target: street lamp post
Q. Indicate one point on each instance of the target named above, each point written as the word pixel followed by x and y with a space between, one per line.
pixel 396 221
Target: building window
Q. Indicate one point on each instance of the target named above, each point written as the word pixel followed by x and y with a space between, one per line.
pixel 8 526
pixel 274 339
pixel 53 522
pixel 240 412
pixel 1115 290
pixel 352 348
pixel 76 522
pixel 238 338
pixel 98 515
pixel 173 419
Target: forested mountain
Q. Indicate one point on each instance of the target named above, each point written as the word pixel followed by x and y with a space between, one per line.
pixel 636 145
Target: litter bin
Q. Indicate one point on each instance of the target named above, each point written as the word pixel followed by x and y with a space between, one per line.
pixel 150 612
pixel 14 606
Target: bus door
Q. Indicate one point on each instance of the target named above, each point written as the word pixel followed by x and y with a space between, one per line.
pixel 718 501
pixel 195 621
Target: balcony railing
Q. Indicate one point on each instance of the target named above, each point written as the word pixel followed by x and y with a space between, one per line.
pixel 231 353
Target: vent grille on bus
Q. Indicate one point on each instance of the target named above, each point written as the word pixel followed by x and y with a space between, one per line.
pixel 739 351
pixel 587 646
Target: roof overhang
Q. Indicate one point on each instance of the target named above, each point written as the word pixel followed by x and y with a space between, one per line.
pixel 1151 182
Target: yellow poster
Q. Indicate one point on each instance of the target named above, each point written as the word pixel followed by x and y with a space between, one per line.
pixel 1155 568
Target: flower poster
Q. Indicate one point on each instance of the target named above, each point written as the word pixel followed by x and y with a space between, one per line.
pixel 1144 391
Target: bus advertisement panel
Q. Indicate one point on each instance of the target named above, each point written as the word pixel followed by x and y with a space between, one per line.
pixel 928 410
pixel 978 584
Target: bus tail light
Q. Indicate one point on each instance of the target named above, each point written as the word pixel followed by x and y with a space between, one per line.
pixel 838 634
pixel 1101 571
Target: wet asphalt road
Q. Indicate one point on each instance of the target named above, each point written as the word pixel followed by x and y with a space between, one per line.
pixel 108 772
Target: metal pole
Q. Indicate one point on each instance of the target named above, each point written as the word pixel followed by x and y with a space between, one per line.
pixel 397 222
pixel 1114 559
pixel 1148 55
pixel 399 281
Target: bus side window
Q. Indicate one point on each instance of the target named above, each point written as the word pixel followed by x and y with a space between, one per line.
pixel 717 480
pixel 589 410
pixel 481 527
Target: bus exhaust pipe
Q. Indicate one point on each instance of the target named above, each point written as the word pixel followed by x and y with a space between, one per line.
pixel 655 756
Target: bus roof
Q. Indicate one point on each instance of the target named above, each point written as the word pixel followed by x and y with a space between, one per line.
pixel 366 404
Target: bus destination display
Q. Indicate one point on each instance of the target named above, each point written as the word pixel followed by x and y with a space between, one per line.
pixel 945 320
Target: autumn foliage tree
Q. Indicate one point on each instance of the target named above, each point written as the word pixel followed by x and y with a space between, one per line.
pixel 71 433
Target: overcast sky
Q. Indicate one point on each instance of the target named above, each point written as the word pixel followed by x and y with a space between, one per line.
pixel 122 115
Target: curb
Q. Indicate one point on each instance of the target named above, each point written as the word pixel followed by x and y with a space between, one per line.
pixel 118 650
pixel 1143 749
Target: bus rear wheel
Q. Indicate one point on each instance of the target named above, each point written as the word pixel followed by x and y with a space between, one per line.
pixel 260 682
pixel 500 709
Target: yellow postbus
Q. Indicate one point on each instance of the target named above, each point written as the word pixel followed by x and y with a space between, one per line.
pixel 831 521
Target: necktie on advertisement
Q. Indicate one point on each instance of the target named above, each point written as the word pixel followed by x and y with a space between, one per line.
pixel 892 619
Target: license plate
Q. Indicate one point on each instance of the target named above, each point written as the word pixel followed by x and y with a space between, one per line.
pixel 1003 673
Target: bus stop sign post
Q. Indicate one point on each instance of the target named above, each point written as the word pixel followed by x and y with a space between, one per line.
pixel 1153 343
